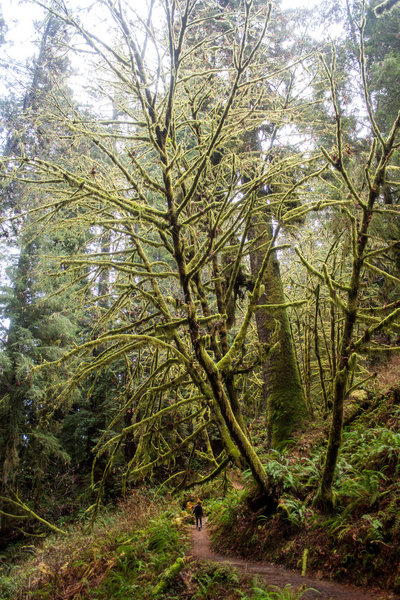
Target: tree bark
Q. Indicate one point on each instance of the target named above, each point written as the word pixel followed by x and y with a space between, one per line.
pixel 282 389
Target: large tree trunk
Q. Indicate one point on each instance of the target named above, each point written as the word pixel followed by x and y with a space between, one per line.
pixel 283 392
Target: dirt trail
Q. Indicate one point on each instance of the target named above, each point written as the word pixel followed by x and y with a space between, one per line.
pixel 276 575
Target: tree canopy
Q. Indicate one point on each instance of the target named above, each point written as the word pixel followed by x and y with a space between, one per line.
pixel 208 237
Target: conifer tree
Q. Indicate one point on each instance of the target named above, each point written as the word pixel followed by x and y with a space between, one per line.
pixel 38 329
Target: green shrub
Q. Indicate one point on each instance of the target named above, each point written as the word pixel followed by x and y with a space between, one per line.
pixel 8 587
pixel 275 593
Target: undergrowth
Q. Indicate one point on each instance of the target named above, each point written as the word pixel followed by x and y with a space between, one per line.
pixel 134 553
pixel 260 592
pixel 360 540
pixel 123 556
pixel 138 550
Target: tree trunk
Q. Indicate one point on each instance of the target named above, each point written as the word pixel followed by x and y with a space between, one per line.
pixel 283 392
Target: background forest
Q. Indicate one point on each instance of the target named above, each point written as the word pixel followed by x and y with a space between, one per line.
pixel 200 232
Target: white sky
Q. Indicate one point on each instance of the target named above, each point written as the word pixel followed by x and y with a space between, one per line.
pixel 20 17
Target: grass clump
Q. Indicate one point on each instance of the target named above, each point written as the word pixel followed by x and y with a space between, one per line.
pixel 273 592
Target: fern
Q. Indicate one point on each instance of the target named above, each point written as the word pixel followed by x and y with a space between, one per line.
pixel 396 524
pixel 293 510
pixel 162 536
pixel 276 470
pixel 338 525
pixel 362 489
pixel 273 592
pixel 375 530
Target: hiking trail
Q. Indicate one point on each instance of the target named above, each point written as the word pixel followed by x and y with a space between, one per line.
pixel 280 576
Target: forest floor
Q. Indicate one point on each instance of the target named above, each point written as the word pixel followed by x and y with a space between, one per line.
pixel 279 576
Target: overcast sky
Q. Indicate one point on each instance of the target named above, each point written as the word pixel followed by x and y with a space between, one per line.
pixel 20 17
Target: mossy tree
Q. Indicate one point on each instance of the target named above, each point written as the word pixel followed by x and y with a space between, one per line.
pixel 282 387
pixel 283 398
pixel 171 208
pixel 362 323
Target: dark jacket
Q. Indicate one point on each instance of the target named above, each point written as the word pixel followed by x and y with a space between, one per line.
pixel 198 510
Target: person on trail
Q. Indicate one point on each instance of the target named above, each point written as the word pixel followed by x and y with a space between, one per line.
pixel 198 513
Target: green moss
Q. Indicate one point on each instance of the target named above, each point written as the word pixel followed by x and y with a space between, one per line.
pixel 286 401
pixel 283 392
pixel 167 577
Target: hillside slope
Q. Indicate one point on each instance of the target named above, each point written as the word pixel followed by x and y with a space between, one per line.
pixel 359 541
